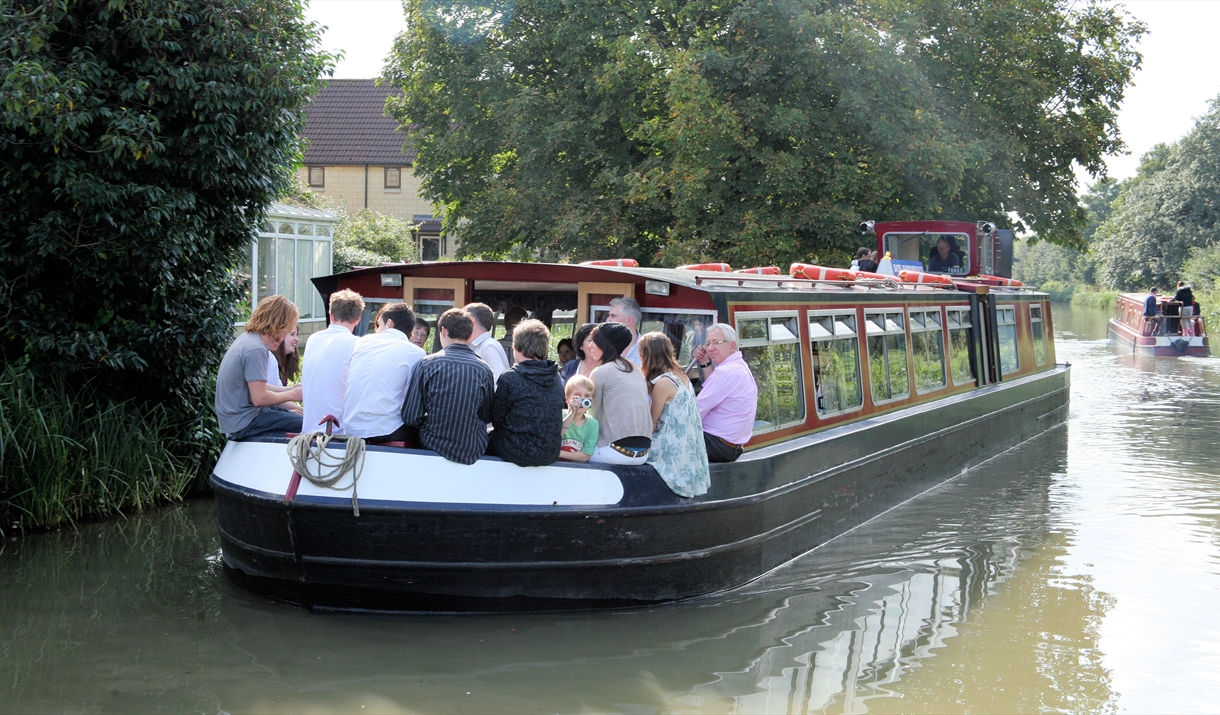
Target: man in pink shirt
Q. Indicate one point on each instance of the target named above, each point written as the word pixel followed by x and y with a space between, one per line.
pixel 729 397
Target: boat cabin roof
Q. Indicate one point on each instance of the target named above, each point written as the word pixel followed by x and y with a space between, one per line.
pixel 658 284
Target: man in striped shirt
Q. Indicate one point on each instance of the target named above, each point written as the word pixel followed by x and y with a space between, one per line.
pixel 449 399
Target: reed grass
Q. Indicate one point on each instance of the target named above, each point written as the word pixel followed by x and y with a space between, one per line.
pixel 67 457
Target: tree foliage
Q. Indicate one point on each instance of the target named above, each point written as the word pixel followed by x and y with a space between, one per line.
pixel 367 238
pixel 1049 265
pixel 140 142
pixel 754 131
pixel 1169 210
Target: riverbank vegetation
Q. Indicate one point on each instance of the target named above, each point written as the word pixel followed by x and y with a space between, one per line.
pixel 141 143
pixel 1154 229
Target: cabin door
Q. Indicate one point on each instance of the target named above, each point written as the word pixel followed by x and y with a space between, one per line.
pixel 986 343
pixel 591 294
pixel 429 297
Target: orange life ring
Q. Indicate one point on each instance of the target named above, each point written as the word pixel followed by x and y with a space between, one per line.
pixel 819 273
pixel 921 277
pixel 761 270
pixel 1002 281
pixel 710 267
pixel 865 274
pixel 619 262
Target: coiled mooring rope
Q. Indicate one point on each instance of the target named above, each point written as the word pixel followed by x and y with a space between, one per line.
pixel 302 452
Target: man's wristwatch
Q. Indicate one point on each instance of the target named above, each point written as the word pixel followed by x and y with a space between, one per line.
pixel 707 364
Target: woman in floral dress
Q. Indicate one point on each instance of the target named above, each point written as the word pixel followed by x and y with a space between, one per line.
pixel 678 452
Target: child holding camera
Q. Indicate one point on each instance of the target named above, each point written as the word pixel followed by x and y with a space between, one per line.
pixel 579 429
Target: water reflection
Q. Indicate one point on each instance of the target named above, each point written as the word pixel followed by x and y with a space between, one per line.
pixel 1068 574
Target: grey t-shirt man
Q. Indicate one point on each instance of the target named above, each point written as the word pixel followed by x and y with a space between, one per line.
pixel 246 361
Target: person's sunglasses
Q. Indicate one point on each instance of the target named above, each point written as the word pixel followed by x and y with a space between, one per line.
pixel 710 343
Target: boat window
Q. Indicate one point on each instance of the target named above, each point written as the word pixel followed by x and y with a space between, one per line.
pixel 927 350
pixel 770 344
pixel 887 356
pixel 957 321
pixel 1035 322
pixel 1006 328
pixel 686 329
pixel 919 251
pixel 836 362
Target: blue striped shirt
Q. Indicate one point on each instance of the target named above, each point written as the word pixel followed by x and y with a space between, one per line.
pixel 449 400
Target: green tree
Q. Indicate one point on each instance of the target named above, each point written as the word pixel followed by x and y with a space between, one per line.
pixel 367 238
pixel 141 142
pixel 754 131
pixel 1039 263
pixel 1166 212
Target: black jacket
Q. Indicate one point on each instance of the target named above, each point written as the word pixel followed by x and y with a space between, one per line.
pixel 527 413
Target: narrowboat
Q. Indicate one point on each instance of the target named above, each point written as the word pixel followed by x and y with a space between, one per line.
pixel 872 389
pixel 1159 336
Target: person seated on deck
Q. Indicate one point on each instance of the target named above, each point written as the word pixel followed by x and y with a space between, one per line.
pixel 620 399
pixel 729 398
pixel 1185 299
pixel 1152 313
pixel 579 429
pixel 284 363
pixel 627 311
pixel 581 364
pixel 943 258
pixel 512 316
pixel 449 398
pixel 864 261
pixel 678 451
pixel 527 409
pixel 246 406
pixel 420 333
pixel 481 342
pixel 378 376
pixel 566 352
pixel 324 376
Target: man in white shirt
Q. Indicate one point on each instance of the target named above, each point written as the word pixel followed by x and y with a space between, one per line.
pixel 378 377
pixel 324 375
pixel 627 312
pixel 488 350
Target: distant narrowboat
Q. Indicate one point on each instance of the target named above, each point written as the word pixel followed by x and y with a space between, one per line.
pixel 1158 336
pixel 872 390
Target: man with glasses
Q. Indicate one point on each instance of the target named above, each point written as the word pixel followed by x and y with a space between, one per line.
pixel 729 398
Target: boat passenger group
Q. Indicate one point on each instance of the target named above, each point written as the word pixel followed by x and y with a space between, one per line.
pixel 627 399
pixel 1171 317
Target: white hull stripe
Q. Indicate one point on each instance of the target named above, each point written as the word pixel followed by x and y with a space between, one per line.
pixel 410 477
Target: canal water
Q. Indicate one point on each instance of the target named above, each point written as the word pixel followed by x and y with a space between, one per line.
pixel 1079 572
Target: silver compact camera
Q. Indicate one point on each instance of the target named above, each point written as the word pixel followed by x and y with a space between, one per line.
pixel 585 402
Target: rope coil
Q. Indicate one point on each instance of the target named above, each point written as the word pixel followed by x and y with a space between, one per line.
pixel 330 470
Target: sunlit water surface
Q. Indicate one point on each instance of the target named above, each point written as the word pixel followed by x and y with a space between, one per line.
pixel 1079 572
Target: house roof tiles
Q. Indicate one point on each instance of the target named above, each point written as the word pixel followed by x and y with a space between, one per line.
pixel 345 123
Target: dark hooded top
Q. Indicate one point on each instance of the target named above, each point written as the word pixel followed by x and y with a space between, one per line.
pixel 527 413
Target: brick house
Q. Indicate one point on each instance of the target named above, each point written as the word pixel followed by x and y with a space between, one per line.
pixel 355 155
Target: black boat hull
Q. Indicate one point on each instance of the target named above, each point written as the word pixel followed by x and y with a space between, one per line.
pixel 764 510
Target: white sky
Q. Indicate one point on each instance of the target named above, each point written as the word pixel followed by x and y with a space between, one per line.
pixel 1180 72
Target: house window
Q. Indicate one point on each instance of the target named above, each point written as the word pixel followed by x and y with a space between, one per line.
pixel 1035 322
pixel 393 177
pixel 1006 328
pixel 430 248
pixel 927 350
pixel 887 355
pixel 770 344
pixel 317 177
pixel 836 362
pixel 958 322
pixel 286 258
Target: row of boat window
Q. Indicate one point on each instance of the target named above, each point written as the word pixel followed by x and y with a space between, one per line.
pixel 770 343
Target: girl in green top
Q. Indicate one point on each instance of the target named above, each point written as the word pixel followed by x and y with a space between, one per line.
pixel 579 430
